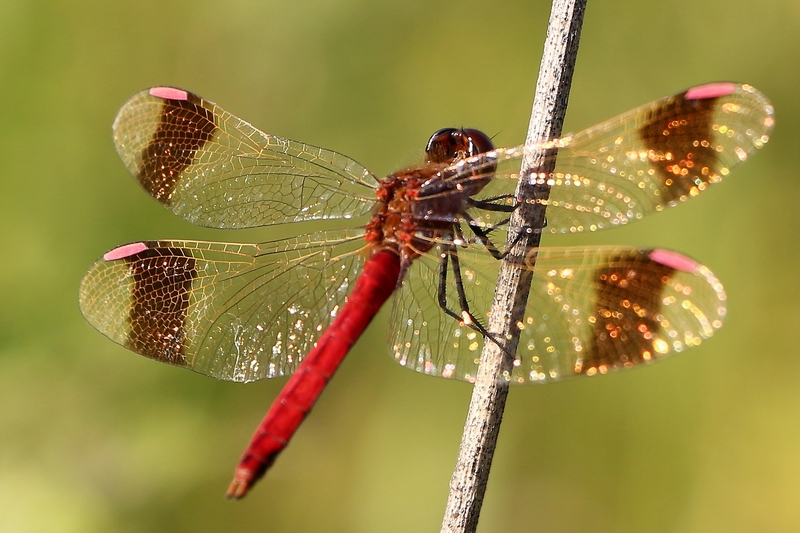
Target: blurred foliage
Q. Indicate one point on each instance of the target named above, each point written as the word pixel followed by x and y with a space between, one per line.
pixel 93 438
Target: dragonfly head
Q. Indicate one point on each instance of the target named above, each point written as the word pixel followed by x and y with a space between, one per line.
pixel 451 145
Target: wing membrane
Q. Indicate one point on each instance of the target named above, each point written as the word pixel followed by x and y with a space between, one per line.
pixel 214 169
pixel 238 312
pixel 641 162
pixel 590 311
pixel 244 312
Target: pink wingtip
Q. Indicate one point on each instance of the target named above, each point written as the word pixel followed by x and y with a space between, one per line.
pixel 674 260
pixel 124 251
pixel 169 93
pixel 711 90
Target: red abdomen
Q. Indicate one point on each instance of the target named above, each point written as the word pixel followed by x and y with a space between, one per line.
pixel 372 289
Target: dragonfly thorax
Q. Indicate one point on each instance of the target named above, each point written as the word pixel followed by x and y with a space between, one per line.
pixel 394 224
pixel 416 206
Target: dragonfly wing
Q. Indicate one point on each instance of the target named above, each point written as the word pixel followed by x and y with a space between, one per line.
pixel 238 312
pixel 641 162
pixel 590 311
pixel 659 155
pixel 214 169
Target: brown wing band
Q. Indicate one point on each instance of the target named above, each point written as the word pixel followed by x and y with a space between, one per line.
pixel 628 300
pixel 679 139
pixel 184 129
pixel 162 285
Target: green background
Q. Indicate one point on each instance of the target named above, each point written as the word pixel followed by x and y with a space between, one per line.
pixel 94 438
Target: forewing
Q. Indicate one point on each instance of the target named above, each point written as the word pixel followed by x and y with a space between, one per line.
pixel 648 159
pixel 590 311
pixel 238 312
pixel 214 169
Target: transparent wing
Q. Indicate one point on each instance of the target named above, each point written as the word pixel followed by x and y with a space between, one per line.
pixel 216 170
pixel 638 163
pixel 238 312
pixel 590 311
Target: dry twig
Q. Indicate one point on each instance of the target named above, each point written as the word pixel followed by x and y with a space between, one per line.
pixel 471 474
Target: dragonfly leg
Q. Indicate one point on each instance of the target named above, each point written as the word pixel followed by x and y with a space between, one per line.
pixel 482 235
pixel 449 255
pixel 489 204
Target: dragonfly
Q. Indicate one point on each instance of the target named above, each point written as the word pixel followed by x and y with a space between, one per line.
pixel 432 235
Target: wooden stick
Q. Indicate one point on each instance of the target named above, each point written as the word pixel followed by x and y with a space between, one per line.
pixel 468 484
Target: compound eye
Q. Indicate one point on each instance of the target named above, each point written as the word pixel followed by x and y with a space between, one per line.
pixel 440 146
pixel 449 144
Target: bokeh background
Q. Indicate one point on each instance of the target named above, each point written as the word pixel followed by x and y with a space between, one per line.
pixel 94 438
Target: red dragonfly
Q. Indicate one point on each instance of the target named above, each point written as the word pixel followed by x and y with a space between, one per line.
pixel 432 235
